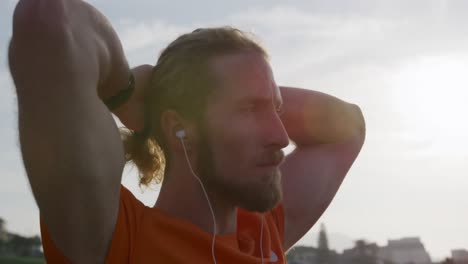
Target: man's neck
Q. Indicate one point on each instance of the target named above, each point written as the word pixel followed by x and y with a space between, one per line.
pixel 182 196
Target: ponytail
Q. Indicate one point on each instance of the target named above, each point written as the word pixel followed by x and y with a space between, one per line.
pixel 146 154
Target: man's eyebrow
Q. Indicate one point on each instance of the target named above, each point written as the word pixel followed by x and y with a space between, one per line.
pixel 251 99
pixel 259 101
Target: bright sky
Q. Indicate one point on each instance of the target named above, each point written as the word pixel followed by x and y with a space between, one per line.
pixel 404 62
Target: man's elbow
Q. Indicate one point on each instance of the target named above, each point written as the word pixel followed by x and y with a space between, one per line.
pixel 29 13
pixel 359 122
pixel 35 21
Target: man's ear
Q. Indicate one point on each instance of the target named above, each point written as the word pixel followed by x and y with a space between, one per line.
pixel 171 123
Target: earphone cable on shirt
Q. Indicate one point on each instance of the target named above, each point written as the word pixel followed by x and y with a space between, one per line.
pixel 261 240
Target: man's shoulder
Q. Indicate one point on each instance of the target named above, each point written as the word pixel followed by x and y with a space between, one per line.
pixel 128 199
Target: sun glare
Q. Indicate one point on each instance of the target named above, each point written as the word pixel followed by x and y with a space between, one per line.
pixel 430 96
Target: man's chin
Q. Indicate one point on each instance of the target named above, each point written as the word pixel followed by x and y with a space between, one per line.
pixel 260 195
pixel 262 201
pixel 260 208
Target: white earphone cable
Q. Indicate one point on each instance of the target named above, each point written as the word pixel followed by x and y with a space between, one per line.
pixel 261 240
pixel 209 204
pixel 211 208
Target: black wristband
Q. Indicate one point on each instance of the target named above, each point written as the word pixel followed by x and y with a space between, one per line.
pixel 122 96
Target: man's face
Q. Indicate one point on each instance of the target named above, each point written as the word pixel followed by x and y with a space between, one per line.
pixel 242 136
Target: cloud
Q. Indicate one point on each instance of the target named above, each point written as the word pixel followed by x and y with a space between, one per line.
pixel 140 35
pixel 341 40
pixel 304 40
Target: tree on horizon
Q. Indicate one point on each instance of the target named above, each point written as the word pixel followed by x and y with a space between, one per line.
pixel 2 230
pixel 12 244
pixel 2 224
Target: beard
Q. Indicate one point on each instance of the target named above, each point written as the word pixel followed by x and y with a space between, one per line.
pixel 260 195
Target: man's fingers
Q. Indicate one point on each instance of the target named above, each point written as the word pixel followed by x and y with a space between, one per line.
pixel 131 114
pixel 142 75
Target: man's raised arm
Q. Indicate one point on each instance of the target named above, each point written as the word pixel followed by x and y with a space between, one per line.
pixel 328 134
pixel 62 55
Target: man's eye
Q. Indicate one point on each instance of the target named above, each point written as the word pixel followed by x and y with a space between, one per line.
pixel 249 108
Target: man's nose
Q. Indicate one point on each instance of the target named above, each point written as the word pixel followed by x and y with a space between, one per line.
pixel 276 133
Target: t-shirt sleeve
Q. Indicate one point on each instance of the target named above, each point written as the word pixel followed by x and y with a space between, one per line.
pixel 130 212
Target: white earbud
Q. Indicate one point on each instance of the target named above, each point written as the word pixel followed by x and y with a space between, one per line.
pixel 180 133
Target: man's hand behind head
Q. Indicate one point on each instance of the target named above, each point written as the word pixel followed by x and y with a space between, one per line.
pixel 131 113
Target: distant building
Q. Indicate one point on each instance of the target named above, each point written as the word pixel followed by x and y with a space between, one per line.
pixel 398 251
pixel 302 255
pixel 460 256
pixel 310 255
pixel 361 253
pixel 405 250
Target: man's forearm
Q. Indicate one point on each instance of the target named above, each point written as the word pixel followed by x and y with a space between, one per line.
pixel 312 117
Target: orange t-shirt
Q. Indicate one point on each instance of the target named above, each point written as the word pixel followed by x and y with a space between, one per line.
pixel 149 235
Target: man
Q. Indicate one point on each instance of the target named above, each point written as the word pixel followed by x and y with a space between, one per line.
pixel 208 118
